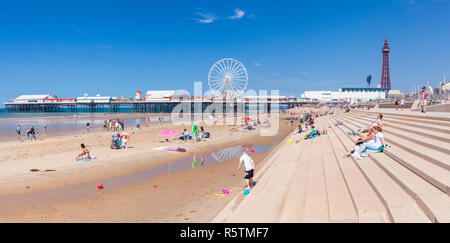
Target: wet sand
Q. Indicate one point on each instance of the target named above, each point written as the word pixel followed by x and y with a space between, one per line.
pixel 67 193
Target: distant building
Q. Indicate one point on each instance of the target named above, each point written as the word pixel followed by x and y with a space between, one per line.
pixel 350 95
pixel 138 95
pixel 159 95
pixel 181 97
pixel 395 94
pixel 266 98
pixel 445 87
pixel 122 98
pixel 86 99
pixel 34 98
pixel 292 98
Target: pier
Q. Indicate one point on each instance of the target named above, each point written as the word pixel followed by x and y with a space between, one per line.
pixel 154 106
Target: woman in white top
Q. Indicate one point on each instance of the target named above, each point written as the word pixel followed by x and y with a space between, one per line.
pixel 372 145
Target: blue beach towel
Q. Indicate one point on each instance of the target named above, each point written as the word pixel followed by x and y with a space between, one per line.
pixel 86 160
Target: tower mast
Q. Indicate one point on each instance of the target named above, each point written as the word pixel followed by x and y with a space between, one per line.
pixel 385 76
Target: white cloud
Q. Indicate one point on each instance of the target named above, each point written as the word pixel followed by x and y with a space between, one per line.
pixel 257 64
pixel 206 18
pixel 105 47
pixel 238 14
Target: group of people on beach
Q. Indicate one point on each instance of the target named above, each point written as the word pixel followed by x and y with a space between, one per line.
pixel 196 134
pixel 31 132
pixel 114 126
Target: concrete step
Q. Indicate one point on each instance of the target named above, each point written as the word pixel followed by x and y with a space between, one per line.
pixel 434 203
pixel 293 210
pixel 413 137
pixel 435 156
pixel 340 202
pixel 316 206
pixel 429 130
pixel 443 128
pixel 368 205
pixel 276 193
pixel 409 119
pixel 426 117
pixel 438 137
pixel 251 209
pixel 430 172
pixel 402 207
pixel 430 155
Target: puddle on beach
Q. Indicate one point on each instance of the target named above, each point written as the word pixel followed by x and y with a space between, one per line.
pixel 88 190
pixel 279 139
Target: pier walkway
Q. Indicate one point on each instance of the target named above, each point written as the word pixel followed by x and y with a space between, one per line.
pixel 313 182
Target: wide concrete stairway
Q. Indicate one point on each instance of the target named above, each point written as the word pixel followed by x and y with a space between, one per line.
pixel 313 181
pixel 418 161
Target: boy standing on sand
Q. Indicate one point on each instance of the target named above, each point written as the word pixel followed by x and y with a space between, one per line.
pixel 249 168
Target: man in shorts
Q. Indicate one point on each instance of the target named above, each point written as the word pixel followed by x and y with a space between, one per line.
pixel 423 99
pixel 249 168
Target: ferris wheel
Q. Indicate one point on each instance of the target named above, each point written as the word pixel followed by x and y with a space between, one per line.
pixel 228 75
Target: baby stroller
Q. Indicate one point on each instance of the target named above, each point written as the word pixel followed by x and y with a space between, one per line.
pixel 115 141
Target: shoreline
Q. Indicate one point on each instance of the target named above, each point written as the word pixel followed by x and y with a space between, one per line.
pixel 87 174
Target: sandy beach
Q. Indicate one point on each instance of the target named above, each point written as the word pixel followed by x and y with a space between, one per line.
pixel 63 190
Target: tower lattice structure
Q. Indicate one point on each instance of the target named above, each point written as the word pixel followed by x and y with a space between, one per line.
pixel 385 76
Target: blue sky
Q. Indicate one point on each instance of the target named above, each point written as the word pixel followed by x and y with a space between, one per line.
pixel 110 47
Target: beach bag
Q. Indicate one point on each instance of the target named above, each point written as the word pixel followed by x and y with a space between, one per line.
pixel 207 135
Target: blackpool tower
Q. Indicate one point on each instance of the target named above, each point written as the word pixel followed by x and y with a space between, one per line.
pixel 385 76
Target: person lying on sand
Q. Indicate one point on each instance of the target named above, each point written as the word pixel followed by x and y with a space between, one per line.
pixel 84 153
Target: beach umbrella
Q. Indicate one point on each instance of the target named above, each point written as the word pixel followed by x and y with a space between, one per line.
pixel 169 133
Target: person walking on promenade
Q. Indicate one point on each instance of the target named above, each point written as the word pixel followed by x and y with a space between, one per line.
pixel 396 104
pixel 249 166
pixel 423 99
pixel 402 103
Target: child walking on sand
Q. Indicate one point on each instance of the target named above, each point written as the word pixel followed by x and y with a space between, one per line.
pixel 249 168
